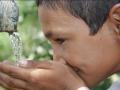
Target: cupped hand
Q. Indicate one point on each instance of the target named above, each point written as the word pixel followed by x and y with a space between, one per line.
pixel 33 75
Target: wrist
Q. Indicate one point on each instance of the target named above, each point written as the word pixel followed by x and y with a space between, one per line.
pixel 77 85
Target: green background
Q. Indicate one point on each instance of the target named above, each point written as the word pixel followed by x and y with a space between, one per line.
pixel 35 45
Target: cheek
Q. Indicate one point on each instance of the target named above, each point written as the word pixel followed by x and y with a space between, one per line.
pixel 96 57
pixel 76 54
pixel 93 61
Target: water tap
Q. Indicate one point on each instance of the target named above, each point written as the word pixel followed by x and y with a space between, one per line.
pixel 9 13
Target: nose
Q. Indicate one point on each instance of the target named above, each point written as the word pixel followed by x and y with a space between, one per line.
pixel 58 55
pixel 59 59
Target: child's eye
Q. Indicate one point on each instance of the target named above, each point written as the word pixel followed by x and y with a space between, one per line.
pixel 60 40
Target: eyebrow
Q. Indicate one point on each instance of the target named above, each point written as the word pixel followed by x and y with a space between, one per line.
pixel 51 34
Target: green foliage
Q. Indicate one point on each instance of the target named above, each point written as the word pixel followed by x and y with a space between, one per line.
pixel 103 85
pixel 35 45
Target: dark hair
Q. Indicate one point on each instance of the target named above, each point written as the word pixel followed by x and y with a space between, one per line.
pixel 93 12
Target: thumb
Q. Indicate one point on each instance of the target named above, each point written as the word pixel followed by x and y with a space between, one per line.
pixel 35 64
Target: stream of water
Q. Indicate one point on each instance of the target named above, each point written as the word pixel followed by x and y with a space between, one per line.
pixel 16 44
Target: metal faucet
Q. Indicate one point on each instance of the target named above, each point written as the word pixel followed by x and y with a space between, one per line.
pixel 9 13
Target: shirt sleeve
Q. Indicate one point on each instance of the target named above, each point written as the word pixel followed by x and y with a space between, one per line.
pixel 115 86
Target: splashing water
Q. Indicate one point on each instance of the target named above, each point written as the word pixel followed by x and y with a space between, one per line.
pixel 16 45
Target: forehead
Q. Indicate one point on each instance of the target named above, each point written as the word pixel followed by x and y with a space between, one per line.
pixel 55 21
pixel 59 21
pixel 59 17
pixel 47 14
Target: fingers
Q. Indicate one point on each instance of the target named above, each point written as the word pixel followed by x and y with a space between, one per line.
pixel 6 87
pixel 9 82
pixel 15 72
pixel 3 84
pixel 36 64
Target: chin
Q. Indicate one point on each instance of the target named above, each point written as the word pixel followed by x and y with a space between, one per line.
pixel 92 80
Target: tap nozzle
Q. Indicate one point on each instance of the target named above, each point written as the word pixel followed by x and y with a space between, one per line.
pixel 9 13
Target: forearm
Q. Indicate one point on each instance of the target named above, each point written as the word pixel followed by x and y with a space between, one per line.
pixel 80 88
pixel 76 85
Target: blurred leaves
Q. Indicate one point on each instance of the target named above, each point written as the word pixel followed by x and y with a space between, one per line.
pixel 35 45
pixel 104 85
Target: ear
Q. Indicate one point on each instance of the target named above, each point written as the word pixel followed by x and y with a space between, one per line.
pixel 114 16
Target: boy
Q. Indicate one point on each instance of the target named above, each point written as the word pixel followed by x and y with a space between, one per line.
pixel 85 39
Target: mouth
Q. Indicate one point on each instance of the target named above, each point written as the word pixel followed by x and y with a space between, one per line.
pixel 74 68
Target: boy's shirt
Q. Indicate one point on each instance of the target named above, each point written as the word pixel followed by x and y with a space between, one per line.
pixel 115 86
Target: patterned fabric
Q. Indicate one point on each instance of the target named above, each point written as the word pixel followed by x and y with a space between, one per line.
pixel 9 13
pixel 115 86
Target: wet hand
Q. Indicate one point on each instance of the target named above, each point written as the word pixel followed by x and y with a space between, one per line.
pixel 44 75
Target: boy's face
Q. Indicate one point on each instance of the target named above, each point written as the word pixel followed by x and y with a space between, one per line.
pixel 93 57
